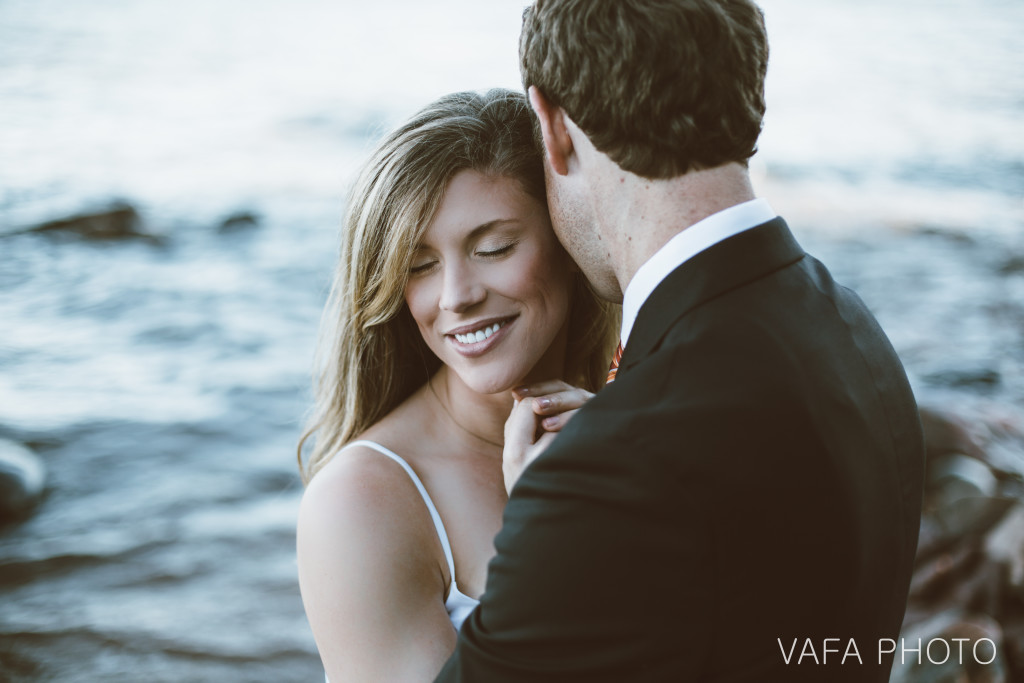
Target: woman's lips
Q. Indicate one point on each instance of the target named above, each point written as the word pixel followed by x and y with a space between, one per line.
pixel 478 348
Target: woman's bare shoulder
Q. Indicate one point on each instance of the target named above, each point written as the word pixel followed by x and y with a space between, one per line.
pixel 364 529
pixel 360 485
pixel 371 567
pixel 364 497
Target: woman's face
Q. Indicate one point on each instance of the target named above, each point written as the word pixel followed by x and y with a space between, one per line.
pixel 489 284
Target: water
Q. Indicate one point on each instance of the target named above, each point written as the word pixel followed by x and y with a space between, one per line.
pixel 165 386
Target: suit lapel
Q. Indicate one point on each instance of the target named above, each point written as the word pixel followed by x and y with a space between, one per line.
pixel 733 262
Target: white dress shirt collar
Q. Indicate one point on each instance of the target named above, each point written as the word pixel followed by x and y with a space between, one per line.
pixel 684 246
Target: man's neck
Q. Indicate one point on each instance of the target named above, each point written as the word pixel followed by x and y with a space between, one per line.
pixel 638 216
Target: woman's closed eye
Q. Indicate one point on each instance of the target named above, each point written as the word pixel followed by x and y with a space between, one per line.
pixel 421 267
pixel 496 250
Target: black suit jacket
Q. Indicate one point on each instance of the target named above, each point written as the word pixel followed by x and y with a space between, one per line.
pixel 749 484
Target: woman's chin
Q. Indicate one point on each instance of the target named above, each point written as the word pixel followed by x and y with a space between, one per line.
pixel 493 384
pixel 491 389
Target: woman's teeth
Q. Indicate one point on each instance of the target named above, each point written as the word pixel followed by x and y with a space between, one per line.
pixel 478 336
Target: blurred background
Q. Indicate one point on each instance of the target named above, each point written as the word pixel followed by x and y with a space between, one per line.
pixel 172 177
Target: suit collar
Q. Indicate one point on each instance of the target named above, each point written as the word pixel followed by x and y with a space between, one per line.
pixel 686 244
pixel 725 266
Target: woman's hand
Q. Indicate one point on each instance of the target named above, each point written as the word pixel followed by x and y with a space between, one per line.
pixel 540 411
pixel 555 402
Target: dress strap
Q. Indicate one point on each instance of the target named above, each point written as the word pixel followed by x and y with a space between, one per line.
pixel 438 524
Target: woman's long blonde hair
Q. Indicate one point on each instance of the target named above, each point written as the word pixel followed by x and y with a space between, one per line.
pixel 370 355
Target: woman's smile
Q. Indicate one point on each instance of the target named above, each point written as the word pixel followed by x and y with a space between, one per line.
pixel 477 339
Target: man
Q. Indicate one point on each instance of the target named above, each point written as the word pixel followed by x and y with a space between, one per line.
pixel 741 503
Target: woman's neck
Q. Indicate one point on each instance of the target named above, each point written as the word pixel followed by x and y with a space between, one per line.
pixel 478 419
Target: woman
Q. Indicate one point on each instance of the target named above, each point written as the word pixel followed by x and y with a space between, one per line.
pixel 451 291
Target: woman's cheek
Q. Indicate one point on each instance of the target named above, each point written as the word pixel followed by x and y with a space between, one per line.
pixel 533 265
pixel 546 282
pixel 418 298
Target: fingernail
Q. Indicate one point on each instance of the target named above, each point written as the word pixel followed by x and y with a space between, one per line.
pixel 522 391
pixel 550 422
pixel 544 403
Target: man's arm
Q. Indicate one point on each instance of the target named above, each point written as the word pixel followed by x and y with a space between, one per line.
pixel 600 574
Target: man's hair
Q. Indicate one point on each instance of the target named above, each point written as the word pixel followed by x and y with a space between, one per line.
pixel 660 86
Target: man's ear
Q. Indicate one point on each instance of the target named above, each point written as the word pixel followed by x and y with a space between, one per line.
pixel 557 143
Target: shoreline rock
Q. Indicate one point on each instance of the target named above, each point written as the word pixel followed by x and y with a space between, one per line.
pixel 22 480
pixel 238 222
pixel 120 221
pixel 969 571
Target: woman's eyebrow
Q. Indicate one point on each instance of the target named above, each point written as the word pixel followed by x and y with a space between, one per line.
pixel 490 225
pixel 479 230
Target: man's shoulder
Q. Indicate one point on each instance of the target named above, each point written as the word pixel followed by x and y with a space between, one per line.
pixel 690 407
pixel 767 328
pixel 708 359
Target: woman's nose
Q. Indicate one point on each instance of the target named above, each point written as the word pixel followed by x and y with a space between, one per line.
pixel 460 290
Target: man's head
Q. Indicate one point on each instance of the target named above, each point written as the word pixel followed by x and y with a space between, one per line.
pixel 662 87
pixel 659 87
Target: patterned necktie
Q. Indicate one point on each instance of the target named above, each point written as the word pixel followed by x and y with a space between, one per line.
pixel 615 364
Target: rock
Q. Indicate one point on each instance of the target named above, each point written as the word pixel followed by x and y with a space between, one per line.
pixel 1013 637
pixel 119 221
pixel 1005 546
pixel 968 578
pixel 1003 448
pixel 241 220
pixel 952 234
pixel 22 478
pixel 979 377
pixel 993 434
pixel 934 579
pixel 954 476
pixel 1012 266
pixel 962 499
pixel 946 432
pixel 941 661
pixel 964 520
